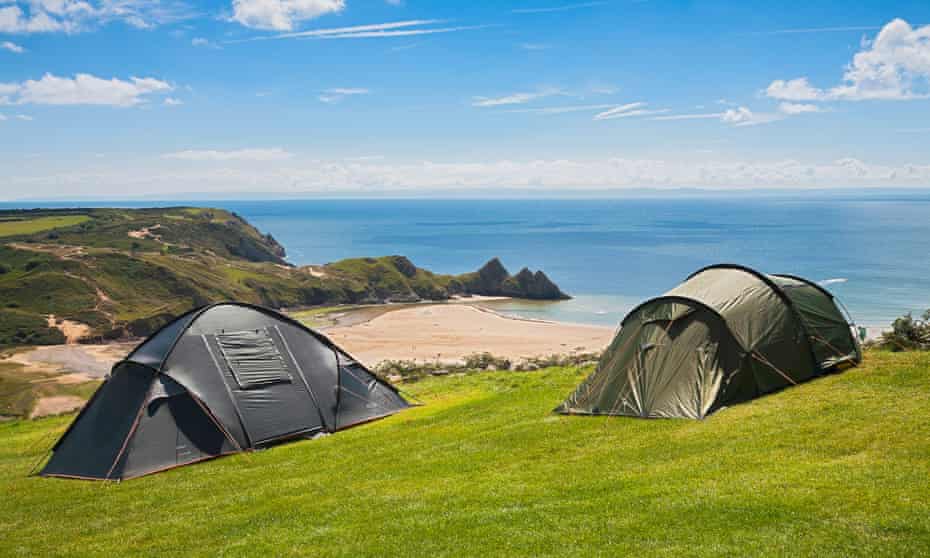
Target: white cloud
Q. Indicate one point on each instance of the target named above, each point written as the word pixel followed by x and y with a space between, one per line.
pixel 12 47
pixel 742 116
pixel 514 98
pixel 173 102
pixel 738 116
pixel 251 154
pixel 82 89
pixel 798 108
pixel 794 90
pixel 228 172
pixel 24 117
pixel 282 15
pixel 893 66
pixel 336 94
pixel 2 117
pixel 71 16
pixel 563 8
pixel 533 46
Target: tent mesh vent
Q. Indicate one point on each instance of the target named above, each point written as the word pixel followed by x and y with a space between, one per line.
pixel 253 358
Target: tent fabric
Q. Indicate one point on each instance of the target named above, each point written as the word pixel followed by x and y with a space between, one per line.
pixel 221 379
pixel 726 335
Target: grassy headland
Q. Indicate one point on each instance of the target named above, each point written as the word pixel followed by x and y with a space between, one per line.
pixel 125 272
pixel 834 467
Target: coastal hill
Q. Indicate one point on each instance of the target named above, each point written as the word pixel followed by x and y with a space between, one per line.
pixel 94 274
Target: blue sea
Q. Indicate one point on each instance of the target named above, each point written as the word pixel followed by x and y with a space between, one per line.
pixel 872 252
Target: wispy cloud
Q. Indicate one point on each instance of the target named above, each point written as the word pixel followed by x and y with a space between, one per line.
pixel 621 111
pixel 250 154
pixel 837 29
pixel 405 28
pixel 562 8
pixel 12 47
pixel 336 94
pixel 73 16
pixel 514 98
pixel 534 46
pixel 701 116
pixel 798 108
pixel 400 48
pixel 205 43
pixel 405 32
pixel 561 109
pixel 173 102
pixel 739 116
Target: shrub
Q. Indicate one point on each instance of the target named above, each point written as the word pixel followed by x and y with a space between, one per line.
pixel 907 334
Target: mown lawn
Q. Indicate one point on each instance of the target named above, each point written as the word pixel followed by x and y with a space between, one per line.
pixel 13 227
pixel 839 466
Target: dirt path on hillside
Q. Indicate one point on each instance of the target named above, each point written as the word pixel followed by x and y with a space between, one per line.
pixel 56 405
pixel 73 363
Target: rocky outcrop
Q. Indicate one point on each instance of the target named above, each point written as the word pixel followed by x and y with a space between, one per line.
pixel 493 279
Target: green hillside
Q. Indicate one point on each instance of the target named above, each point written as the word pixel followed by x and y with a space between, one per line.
pixel 834 467
pixel 125 272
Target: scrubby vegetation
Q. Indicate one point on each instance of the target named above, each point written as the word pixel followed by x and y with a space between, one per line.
pixel 126 272
pixel 907 334
pixel 411 371
pixel 483 468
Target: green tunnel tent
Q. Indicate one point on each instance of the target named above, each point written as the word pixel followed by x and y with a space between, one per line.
pixel 725 335
pixel 221 379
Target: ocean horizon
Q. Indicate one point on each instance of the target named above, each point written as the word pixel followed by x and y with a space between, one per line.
pixel 610 254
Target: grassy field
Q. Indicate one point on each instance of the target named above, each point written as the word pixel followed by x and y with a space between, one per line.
pixel 13 227
pixel 839 466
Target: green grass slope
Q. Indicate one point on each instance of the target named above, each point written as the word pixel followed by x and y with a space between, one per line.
pixel 835 467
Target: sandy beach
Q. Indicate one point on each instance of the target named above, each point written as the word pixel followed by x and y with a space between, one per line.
pixel 450 332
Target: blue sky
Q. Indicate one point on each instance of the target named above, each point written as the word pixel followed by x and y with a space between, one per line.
pixel 161 98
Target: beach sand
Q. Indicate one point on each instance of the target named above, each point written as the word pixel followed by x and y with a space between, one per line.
pixel 450 332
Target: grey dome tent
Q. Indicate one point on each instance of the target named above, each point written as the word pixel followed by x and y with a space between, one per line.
pixel 727 334
pixel 221 379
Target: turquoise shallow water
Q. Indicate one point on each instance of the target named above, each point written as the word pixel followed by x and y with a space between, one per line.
pixel 871 251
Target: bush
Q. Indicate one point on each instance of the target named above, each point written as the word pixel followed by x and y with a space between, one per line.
pixel 32 264
pixel 907 334
pixel 4 269
pixel 486 361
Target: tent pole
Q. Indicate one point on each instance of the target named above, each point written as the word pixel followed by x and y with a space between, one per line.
pixel 132 430
pixel 766 362
pixel 300 371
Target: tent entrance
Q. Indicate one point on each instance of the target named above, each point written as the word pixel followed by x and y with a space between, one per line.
pixel 267 384
pixel 679 362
